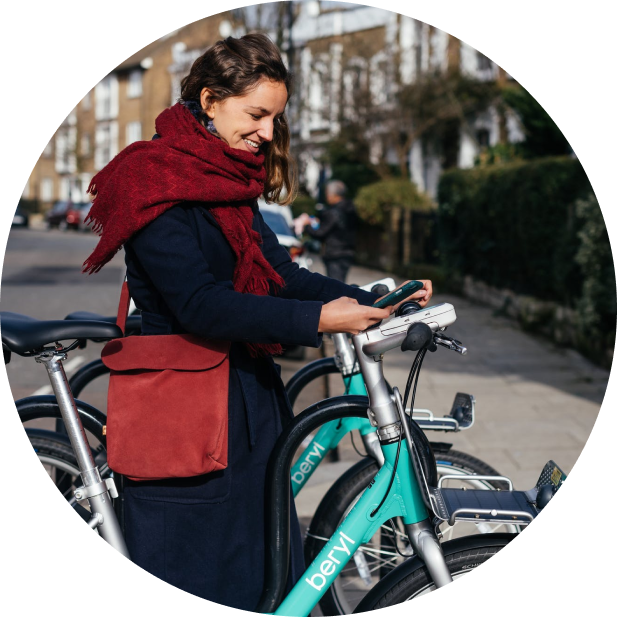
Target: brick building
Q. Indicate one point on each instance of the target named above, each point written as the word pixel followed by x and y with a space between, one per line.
pixel 119 110
pixel 340 52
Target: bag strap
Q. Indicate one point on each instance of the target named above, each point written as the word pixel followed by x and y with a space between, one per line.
pixel 123 307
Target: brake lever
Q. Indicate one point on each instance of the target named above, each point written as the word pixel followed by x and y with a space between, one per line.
pixel 449 343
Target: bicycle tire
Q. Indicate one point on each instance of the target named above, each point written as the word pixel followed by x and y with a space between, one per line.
pixel 56 454
pixel 344 594
pixel 407 586
pixel 307 374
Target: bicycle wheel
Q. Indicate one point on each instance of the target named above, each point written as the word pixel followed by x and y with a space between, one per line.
pixel 389 546
pixel 410 584
pixel 307 374
pixel 57 457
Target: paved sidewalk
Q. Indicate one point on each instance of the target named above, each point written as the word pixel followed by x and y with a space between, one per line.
pixel 534 401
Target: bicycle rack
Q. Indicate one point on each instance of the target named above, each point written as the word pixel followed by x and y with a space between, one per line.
pixel 475 477
pixel 460 418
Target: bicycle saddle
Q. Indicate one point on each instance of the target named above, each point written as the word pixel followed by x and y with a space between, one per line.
pixel 133 322
pixel 24 335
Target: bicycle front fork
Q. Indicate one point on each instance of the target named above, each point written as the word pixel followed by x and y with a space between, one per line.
pixel 98 492
pixel 426 545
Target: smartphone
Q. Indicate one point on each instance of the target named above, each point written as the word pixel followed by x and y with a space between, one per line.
pixel 398 295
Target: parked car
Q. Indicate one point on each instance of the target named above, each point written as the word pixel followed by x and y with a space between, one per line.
pixel 56 216
pixel 83 213
pixel 73 215
pixel 20 218
pixel 278 218
pixel 66 215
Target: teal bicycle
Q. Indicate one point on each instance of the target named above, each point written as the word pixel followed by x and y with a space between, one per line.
pixel 405 487
pixel 388 546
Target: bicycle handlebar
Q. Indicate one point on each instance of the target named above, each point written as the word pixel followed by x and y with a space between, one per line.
pixel 393 332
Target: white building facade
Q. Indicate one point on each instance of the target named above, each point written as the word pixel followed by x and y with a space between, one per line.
pixel 355 49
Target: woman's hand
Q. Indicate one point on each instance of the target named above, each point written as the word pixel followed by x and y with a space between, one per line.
pixel 421 297
pixel 346 315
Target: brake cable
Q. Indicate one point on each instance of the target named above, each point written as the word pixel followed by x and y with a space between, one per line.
pixel 413 372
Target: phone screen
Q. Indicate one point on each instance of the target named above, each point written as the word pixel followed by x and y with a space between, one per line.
pixel 398 295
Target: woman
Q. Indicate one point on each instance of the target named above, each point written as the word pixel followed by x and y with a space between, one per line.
pixel 200 259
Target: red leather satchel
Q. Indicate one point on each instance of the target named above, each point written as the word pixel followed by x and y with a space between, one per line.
pixel 167 403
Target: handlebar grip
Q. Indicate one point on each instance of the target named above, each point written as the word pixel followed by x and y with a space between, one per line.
pixel 418 336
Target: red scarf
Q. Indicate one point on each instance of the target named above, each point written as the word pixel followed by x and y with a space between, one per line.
pixel 186 164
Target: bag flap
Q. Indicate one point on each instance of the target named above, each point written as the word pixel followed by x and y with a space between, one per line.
pixel 182 352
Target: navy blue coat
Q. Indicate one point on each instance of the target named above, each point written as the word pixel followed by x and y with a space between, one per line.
pixel 205 535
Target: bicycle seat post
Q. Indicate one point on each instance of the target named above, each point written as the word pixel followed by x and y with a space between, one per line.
pixel 59 383
pixel 97 491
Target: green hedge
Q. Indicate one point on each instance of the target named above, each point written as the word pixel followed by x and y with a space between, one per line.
pixel 535 228
pixel 515 226
pixel 375 200
pixel 303 203
pixel 597 305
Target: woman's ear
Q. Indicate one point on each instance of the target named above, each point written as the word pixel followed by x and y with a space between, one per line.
pixel 207 104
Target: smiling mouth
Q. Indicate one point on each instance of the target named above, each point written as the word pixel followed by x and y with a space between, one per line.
pixel 253 144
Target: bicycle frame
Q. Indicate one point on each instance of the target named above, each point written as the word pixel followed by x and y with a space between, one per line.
pixel 395 491
pixel 329 435
pixel 97 491
pixel 404 500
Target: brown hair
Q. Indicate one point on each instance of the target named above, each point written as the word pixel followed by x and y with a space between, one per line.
pixel 232 68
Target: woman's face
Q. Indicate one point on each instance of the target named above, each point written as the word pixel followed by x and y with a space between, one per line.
pixel 246 122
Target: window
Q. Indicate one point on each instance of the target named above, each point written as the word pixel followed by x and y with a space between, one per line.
pixel 484 63
pixel 483 137
pixel 133 132
pixel 319 95
pixel 65 189
pixel 106 146
pixel 133 89
pixel 83 182
pixel 356 88
pixel 106 98
pixel 47 189
pixel 378 81
pixel 65 150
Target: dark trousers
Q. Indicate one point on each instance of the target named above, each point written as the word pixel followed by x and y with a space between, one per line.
pixel 337 268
